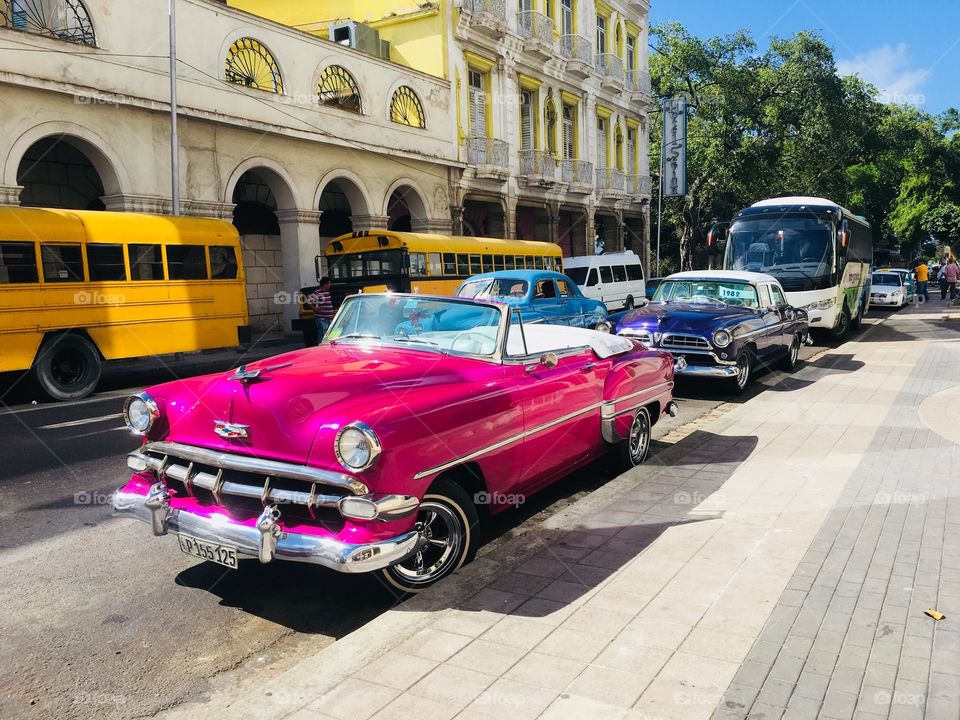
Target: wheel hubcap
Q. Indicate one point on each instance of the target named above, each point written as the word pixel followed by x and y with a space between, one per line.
pixel 67 367
pixel 743 371
pixel 639 437
pixel 794 351
pixel 441 540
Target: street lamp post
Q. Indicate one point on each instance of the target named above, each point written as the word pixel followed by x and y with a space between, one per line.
pixel 174 139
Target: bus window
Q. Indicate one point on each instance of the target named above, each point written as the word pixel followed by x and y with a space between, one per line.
pixel 592 277
pixel 605 274
pixel 223 262
pixel 488 263
pixel 62 263
pixel 146 262
pixel 634 272
pixel 619 274
pixel 463 268
pixel 186 262
pixel 475 268
pixel 521 263
pixel 498 263
pixel 538 262
pixel 436 266
pixel 508 262
pixel 18 263
pixel 418 265
pixel 105 262
pixel 449 264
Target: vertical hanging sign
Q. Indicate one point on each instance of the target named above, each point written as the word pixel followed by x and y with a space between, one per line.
pixel 674 147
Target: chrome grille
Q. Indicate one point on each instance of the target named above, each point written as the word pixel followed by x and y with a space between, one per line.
pixel 685 342
pixel 639 335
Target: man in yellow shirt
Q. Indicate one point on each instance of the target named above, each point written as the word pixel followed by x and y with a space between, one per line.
pixel 922 274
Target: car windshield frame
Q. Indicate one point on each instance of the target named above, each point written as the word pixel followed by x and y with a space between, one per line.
pixel 667 292
pixel 485 289
pixel 421 322
pixel 890 274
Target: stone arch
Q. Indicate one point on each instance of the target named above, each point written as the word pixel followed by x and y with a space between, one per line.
pixel 404 198
pixel 279 180
pixel 344 205
pixel 101 156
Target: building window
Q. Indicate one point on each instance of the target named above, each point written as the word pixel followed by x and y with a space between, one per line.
pixel 632 151
pixel 338 89
pixel 549 9
pixel 550 116
pixel 569 125
pixel 618 148
pixel 524 5
pixel 478 104
pixel 527 134
pixel 631 53
pixel 601 34
pixel 566 17
pixel 406 108
pixel 250 64
pixel 61 19
pixel 601 142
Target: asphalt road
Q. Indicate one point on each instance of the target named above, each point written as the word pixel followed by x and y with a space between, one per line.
pixel 101 620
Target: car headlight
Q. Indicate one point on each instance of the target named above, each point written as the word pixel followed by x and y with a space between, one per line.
pixel 821 304
pixel 356 446
pixel 721 338
pixel 140 412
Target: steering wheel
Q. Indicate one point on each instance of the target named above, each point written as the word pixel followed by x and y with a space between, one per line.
pixel 471 336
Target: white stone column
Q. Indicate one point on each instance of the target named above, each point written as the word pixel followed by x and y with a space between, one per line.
pixel 10 194
pixel 300 243
pixel 363 223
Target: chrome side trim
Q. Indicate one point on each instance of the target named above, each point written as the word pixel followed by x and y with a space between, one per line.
pixel 503 443
pixel 245 463
pixel 609 413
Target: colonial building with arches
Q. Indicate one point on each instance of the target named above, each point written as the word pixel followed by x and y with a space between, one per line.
pixel 294 138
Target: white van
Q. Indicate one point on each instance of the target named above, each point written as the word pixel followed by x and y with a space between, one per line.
pixel 614 278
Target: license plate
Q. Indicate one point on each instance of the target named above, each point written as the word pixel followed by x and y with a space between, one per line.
pixel 220 554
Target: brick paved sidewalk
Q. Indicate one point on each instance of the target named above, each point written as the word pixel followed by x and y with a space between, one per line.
pixel 775 561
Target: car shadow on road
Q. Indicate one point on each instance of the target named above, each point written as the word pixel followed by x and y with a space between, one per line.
pixel 520 558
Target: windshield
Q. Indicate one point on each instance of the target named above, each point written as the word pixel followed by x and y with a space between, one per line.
pixel 448 326
pixel 494 289
pixel 578 275
pixel 707 292
pixel 360 266
pixel 895 279
pixel 798 251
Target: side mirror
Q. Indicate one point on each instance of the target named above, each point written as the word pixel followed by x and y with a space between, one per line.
pixel 550 360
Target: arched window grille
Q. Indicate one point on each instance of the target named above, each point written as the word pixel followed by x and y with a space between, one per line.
pixel 406 108
pixel 62 19
pixel 338 89
pixel 250 64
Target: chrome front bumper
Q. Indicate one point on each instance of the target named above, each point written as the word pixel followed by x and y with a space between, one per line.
pixel 709 371
pixel 267 540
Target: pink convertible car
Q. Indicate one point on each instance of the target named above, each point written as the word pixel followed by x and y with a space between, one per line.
pixel 380 449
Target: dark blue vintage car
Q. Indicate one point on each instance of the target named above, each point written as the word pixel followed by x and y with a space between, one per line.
pixel 540 295
pixel 721 322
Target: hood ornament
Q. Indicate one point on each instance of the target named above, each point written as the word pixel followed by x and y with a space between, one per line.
pixel 231 431
pixel 244 375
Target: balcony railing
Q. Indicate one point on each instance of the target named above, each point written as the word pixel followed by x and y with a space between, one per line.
pixel 576 49
pixel 535 26
pixel 489 16
pixel 611 180
pixel 487 153
pixel 610 67
pixel 639 81
pixel 639 185
pixel 536 165
pixel 577 173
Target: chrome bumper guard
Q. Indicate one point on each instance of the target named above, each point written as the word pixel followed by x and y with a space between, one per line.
pixel 266 541
pixel 709 371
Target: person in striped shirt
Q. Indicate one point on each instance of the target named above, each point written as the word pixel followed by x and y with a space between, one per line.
pixel 322 305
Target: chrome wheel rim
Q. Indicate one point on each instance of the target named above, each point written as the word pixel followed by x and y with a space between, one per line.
pixel 639 437
pixel 743 371
pixel 442 538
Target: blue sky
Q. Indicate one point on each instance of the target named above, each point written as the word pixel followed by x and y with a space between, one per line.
pixel 909 49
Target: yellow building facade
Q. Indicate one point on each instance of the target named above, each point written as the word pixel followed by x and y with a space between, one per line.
pixel 550 99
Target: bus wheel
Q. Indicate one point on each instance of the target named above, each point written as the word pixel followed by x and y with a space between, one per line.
pixel 843 326
pixel 67 367
pixel 628 305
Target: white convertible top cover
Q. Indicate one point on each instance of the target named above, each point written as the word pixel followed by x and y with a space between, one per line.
pixel 552 338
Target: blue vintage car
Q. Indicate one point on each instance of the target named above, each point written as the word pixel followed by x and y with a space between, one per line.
pixel 721 322
pixel 540 295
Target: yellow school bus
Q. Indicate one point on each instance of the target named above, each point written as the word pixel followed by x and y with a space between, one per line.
pixel 78 288
pixel 421 263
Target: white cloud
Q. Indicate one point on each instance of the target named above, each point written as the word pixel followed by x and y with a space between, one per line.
pixel 889 69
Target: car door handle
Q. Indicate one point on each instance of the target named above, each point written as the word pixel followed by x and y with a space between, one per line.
pixel 588 367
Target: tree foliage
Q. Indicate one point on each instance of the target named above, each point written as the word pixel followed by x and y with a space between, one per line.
pixel 783 122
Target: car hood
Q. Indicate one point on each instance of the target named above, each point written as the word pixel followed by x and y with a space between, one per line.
pixel 682 317
pixel 885 288
pixel 297 395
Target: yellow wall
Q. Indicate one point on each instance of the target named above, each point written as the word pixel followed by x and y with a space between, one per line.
pixel 417 39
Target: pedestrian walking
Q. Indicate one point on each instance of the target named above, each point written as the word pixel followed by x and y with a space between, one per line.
pixel 921 273
pixel 951 273
pixel 322 304
pixel 942 279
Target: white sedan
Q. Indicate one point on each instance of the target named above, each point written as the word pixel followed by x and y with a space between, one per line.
pixel 888 288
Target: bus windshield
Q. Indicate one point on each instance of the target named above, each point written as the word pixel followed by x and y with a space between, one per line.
pixel 578 275
pixel 359 266
pixel 798 251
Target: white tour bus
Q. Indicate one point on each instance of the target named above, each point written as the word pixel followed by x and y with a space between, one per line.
pixel 616 279
pixel 819 251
